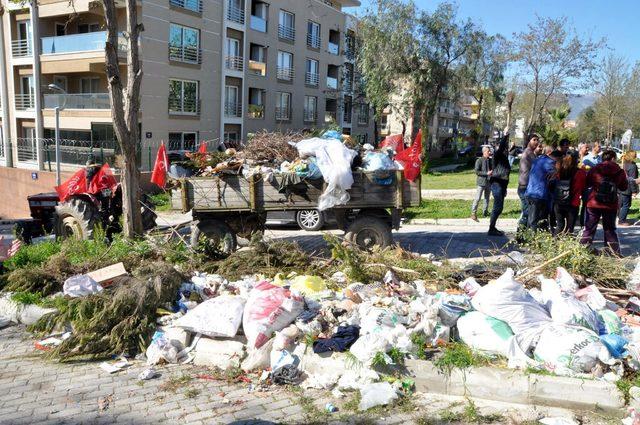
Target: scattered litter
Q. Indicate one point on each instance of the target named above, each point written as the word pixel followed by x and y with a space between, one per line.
pixel 80 286
pixel 148 374
pixel 105 275
pixel 114 367
pixel 52 341
pixel 557 421
pixel 330 408
pixel 215 317
pixel 104 402
pixel 377 394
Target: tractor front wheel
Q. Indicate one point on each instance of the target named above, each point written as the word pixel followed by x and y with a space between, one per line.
pixel 76 218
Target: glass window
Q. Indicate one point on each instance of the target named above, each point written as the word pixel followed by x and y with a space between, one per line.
pixel 184 43
pixel 90 85
pixel 310 108
pixel 312 66
pixel 283 104
pixel 287 19
pixel 313 34
pixel 285 59
pixel 183 96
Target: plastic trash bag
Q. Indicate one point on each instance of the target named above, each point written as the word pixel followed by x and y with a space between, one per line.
pixel 163 349
pixel 633 284
pixel 80 285
pixel 566 309
pixel 377 320
pixel 452 307
pixel 334 161
pixel 309 285
pixel 376 394
pixel 566 350
pixel 615 344
pixel 308 169
pixel 366 347
pixel 507 300
pixel 258 358
pixel 269 309
pixel 592 296
pixel 566 282
pixel 485 333
pixel 356 379
pixel 610 321
pixel 381 165
pixel 215 317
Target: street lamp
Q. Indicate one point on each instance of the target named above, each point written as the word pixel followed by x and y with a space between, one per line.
pixel 57 109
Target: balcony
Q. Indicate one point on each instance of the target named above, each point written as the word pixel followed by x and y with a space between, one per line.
pixel 332 83
pixel 282 114
pixel 192 5
pixel 330 116
pixel 233 109
pixel 234 63
pixel 186 54
pixel 24 102
pixel 179 106
pixel 286 33
pixel 445 131
pixel 285 74
pixel 21 48
pixel 258 68
pixel 310 115
pixel 258 24
pixel 73 43
pixel 78 101
pixel 346 117
pixel 256 111
pixel 333 48
pixel 313 41
pixel 234 13
pixel 311 79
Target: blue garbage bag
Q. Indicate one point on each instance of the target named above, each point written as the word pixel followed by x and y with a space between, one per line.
pixel 615 344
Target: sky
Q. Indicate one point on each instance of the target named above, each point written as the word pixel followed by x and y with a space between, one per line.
pixel 616 20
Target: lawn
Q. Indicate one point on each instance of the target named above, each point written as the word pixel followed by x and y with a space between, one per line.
pixel 464 179
pixel 457 208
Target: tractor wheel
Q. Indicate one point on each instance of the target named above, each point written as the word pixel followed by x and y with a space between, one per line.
pixel 367 232
pixel 76 219
pixel 213 237
pixel 148 213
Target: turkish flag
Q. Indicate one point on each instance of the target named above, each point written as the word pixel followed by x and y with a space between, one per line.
pixel 395 142
pixel 104 179
pixel 159 174
pixel 75 184
pixel 411 160
pixel 203 147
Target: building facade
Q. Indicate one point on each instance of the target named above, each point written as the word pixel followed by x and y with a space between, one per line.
pixel 213 70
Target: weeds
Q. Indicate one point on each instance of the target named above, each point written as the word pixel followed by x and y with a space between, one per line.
pixel 191 392
pixel 312 413
pixel 459 356
pixel 27 298
pixel 30 255
pixel 174 383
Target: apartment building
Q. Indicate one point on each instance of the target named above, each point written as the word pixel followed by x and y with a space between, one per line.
pixel 213 70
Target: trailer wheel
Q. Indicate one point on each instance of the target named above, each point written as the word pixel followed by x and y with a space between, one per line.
pixel 76 219
pixel 367 232
pixel 148 212
pixel 213 237
pixel 310 220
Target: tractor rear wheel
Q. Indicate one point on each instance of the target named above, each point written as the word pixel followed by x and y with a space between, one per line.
pixel 213 237
pixel 76 218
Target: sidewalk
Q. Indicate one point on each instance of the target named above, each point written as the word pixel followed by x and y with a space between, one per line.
pixel 508 224
pixel 459 194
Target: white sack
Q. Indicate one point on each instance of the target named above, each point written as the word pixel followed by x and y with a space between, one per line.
pixel 258 358
pixel 485 333
pixel 366 347
pixel 80 285
pixel 215 317
pixel 565 308
pixel 378 394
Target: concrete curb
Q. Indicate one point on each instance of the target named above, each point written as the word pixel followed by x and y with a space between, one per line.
pixel 504 222
pixel 491 383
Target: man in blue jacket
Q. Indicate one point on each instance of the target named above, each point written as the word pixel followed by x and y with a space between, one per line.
pixel 538 194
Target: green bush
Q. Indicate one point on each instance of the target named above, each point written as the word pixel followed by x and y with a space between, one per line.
pixel 32 255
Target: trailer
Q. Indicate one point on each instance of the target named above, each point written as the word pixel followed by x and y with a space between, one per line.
pixel 229 205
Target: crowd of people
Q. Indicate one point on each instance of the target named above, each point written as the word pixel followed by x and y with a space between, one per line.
pixel 560 187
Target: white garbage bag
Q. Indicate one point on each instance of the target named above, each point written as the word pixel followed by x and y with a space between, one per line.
pixel 269 309
pixel 356 379
pixel 566 350
pixel 163 349
pixel 80 285
pixel 334 161
pixel 566 282
pixel 485 333
pixel 634 278
pixel 258 358
pixel 507 300
pixel 565 308
pixel 215 317
pixel 377 394
pixel 366 347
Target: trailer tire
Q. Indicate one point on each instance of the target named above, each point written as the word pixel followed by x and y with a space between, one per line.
pixel 76 218
pixel 213 237
pixel 367 232
pixel 310 220
pixel 148 212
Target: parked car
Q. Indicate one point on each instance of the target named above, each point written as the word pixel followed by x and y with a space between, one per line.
pixel 308 220
pixel 466 151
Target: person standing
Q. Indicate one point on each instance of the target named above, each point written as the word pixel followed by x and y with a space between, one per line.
pixel 528 156
pixel 583 150
pixel 594 157
pixel 564 145
pixel 538 192
pixel 513 153
pixel 499 180
pixel 605 180
pixel 483 173
pixel 631 170
pixel 567 192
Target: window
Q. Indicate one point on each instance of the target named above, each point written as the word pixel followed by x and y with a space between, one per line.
pixel 363 114
pixel 259 14
pixel 184 44
pixel 348 110
pixel 286 26
pixel 232 105
pixel 333 73
pixel 60 81
pixel 257 59
pixel 61 29
pixel 313 35
pixel 192 5
pixel 90 85
pixel 233 59
pixel 235 11
pixel 310 108
pixel 182 141
pixel 313 73
pixel 256 102
pixel 283 106
pixel 334 42
pixel 348 77
pixel 285 66
pixel 230 136
pixel 85 28
pixel 183 97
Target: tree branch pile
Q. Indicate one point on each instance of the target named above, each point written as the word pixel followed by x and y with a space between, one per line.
pixel 266 146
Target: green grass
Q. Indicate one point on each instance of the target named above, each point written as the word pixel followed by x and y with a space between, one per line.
pixel 461 179
pixel 162 201
pixel 457 208
pixel 459 356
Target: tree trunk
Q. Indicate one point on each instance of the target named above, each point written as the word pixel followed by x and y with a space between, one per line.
pixel 376 134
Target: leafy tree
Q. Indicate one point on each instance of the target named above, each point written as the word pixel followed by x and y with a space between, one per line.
pixel 631 113
pixel 611 83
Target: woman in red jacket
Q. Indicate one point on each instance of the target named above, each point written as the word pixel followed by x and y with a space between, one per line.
pixel 569 185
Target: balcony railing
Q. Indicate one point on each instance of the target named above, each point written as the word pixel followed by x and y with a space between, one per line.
pixel 310 115
pixel 258 68
pixel 24 101
pixel 21 48
pixel 311 79
pixel 330 116
pixel 186 54
pixel 234 13
pixel 192 5
pixel 286 33
pixel 346 116
pixel 234 63
pixel 259 24
pixel 285 74
pixel 256 111
pixel 333 48
pixel 85 42
pixel 282 113
pixel 179 106
pixel 27 149
pixel 233 109
pixel 78 101
pixel 332 83
pixel 314 40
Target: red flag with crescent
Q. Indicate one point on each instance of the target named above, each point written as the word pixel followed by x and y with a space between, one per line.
pixel 159 174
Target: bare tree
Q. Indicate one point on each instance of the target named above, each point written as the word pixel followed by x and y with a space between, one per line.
pixel 611 83
pixel 125 105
